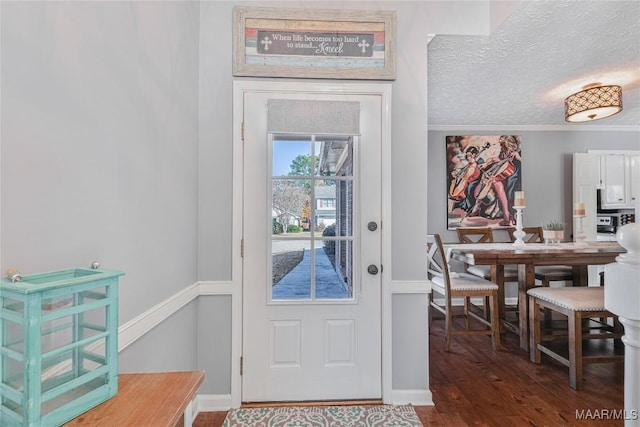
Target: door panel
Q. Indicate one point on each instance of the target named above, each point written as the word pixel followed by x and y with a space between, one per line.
pixel 320 336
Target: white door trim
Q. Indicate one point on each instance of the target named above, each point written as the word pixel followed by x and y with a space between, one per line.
pixel 239 88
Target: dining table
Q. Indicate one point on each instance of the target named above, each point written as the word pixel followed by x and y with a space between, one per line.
pixel 578 255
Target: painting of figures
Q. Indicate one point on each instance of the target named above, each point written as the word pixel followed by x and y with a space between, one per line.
pixel 483 174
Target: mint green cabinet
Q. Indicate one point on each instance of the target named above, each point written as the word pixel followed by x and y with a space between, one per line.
pixel 59 345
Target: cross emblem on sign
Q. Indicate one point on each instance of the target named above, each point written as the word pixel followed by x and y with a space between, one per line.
pixel 266 42
pixel 364 45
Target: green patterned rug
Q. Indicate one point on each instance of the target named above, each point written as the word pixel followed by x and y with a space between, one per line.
pixel 324 416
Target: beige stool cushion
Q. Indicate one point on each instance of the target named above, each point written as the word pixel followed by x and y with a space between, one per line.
pixel 577 298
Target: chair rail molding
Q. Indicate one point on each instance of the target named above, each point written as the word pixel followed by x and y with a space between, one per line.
pixel 135 328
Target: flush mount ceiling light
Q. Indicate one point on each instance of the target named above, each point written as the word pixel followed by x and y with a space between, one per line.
pixel 593 103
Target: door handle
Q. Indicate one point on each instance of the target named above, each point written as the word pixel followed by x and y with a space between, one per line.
pixel 372 269
pixel 372 226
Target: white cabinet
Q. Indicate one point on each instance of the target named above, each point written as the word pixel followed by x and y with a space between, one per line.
pixel 618 180
pixel 634 179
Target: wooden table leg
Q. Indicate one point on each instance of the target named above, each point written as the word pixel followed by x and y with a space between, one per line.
pixel 526 281
pixel 580 275
pixel 497 277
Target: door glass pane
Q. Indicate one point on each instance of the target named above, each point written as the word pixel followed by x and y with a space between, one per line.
pixel 333 272
pixel 291 157
pixel 290 209
pixel 290 269
pixel 334 208
pixel 325 204
pixel 335 156
pixel 312 204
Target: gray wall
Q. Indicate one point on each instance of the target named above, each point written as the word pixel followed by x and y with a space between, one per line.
pixel 547 171
pixel 99 152
pixel 214 343
pixel 410 332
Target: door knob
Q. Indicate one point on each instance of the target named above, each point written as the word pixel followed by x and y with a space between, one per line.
pixel 372 269
pixel 372 226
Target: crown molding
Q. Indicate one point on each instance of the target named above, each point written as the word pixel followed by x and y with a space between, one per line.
pixel 535 128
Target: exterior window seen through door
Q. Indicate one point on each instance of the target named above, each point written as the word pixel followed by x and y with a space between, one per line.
pixel 312 222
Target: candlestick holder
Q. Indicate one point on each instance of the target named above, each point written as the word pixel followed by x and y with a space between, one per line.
pixel 578 234
pixel 519 233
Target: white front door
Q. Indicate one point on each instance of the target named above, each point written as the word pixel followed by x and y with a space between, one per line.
pixel 311 200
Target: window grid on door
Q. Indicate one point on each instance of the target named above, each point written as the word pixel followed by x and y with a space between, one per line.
pixel 312 195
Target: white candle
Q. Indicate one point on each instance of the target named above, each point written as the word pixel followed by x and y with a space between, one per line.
pixel 519 199
pixel 579 210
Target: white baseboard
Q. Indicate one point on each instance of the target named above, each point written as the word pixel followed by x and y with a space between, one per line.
pixel 211 403
pixel 412 397
pixel 222 402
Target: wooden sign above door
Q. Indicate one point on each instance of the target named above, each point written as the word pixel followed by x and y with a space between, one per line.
pixel 328 44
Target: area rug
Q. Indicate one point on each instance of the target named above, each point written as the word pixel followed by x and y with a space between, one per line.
pixel 324 416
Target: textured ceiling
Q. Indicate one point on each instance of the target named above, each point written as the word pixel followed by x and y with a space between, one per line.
pixel 545 51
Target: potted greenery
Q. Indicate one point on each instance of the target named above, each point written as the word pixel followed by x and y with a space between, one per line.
pixel 553 232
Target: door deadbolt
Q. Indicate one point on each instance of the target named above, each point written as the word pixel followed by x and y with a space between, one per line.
pixel 372 269
pixel 372 226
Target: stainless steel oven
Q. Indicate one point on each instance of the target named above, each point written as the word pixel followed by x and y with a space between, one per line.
pixel 607 223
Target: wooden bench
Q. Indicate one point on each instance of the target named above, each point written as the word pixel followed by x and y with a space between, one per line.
pixel 148 399
pixel 586 320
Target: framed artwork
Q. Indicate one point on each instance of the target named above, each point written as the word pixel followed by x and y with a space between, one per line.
pixel 314 43
pixel 483 174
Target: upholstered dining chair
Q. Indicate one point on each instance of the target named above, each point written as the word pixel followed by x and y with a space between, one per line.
pixel 452 285
pixel 482 235
pixel 485 235
pixel 545 273
pixel 476 235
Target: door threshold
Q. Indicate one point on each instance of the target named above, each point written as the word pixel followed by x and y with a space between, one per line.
pixel 312 403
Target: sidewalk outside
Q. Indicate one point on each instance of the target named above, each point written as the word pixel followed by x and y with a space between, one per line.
pixel 297 283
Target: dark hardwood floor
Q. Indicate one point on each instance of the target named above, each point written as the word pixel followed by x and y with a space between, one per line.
pixel 474 386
